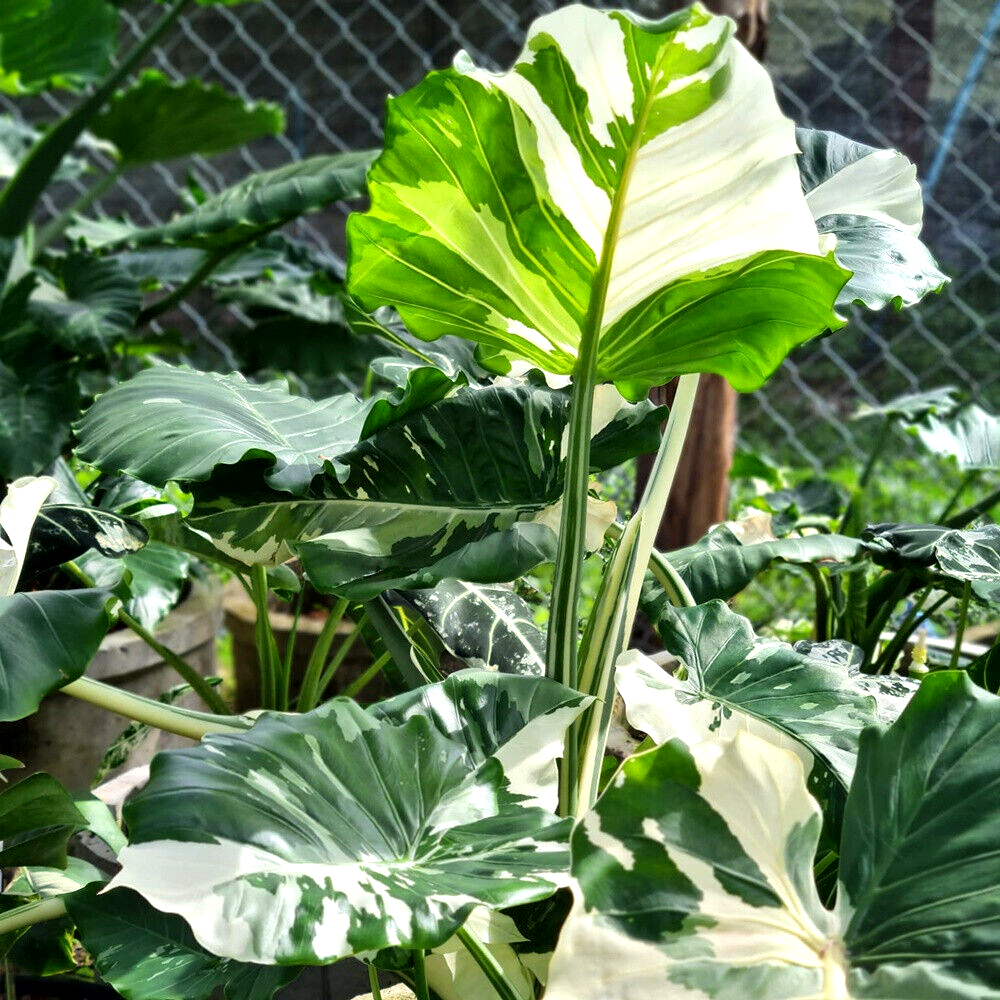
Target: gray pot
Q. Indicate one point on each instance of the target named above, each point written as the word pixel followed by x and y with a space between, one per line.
pixel 68 738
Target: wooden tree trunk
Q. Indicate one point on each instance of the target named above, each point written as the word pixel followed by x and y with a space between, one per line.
pixel 700 496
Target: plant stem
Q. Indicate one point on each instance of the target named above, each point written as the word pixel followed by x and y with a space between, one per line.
pixel 54 229
pixel 22 192
pixel 490 966
pixel 212 260
pixel 964 482
pixel 963 614
pixel 31 914
pixel 980 507
pixel 420 975
pixel 357 686
pixel 9 986
pixel 267 646
pixel 191 676
pixel 309 690
pixel 373 983
pixel 822 587
pixel 341 654
pixel 170 718
pixel 293 636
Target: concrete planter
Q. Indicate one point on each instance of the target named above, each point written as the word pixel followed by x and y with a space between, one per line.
pixel 239 620
pixel 68 738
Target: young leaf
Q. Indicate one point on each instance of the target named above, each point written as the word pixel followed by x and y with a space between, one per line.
pixel 627 177
pixel 159 119
pixel 870 199
pixel 46 640
pixel 736 680
pixel 148 955
pixel 331 833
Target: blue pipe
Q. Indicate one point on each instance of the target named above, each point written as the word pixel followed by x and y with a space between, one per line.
pixel 962 101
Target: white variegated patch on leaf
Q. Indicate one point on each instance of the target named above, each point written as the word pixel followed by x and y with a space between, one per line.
pixel 633 175
pixel 334 833
pixel 18 511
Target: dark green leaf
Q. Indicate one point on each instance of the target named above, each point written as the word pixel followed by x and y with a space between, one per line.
pixel 37 818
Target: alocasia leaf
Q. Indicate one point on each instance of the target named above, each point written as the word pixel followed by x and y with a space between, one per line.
pixel 693 873
pixel 629 177
pixel 18 511
pixel 735 680
pixel 971 436
pixel 37 818
pixel 913 406
pixel 333 833
pixel 158 119
pixel 870 200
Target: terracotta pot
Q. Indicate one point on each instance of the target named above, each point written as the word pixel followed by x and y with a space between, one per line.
pixel 239 619
pixel 68 737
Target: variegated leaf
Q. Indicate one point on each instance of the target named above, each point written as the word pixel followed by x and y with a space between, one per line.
pixel 693 873
pixel 737 681
pixel 18 511
pixel 871 201
pixel 333 833
pixel 971 436
pixel 628 176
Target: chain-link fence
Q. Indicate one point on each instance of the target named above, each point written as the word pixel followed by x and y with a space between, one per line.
pixel 921 75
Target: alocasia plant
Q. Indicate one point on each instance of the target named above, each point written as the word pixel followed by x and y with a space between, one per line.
pixel 624 205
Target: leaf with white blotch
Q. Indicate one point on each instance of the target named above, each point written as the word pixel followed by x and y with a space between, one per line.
pixel 178 424
pixel 331 834
pixel 158 119
pixel 521 721
pixel 256 205
pixel 147 955
pixel 18 513
pixel 721 564
pixel 971 555
pixel 490 625
pixel 736 680
pixel 627 175
pixel 693 874
pixel 913 406
pixel 971 436
pixel 47 639
pixel 62 532
pixel 871 201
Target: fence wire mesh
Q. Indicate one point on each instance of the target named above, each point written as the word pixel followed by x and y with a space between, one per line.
pixel 920 75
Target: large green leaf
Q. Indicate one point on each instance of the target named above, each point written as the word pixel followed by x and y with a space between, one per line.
pixel 46 640
pixel 490 625
pixel 627 176
pixel 870 200
pixel 63 43
pixel 519 720
pixel 148 955
pixel 693 874
pixel 37 818
pixel 177 424
pixel 735 680
pixel 720 565
pixel 262 202
pixel 37 403
pixel 971 556
pixel 160 119
pixel 332 833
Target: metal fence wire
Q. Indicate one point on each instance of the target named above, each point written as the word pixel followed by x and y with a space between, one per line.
pixel 920 75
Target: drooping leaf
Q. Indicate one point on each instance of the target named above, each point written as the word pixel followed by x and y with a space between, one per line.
pixel 37 403
pixel 15 10
pixel 491 625
pixel 913 406
pixel 160 119
pixel 62 532
pixel 735 680
pixel 63 43
pixel 367 835
pixel 46 640
pixel 694 871
pixel 37 818
pixel 971 436
pixel 519 720
pixel 720 565
pixel 17 138
pixel 18 513
pixel 256 205
pixel 148 955
pixel 632 175
pixel 177 424
pixel 871 200
pixel 971 555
